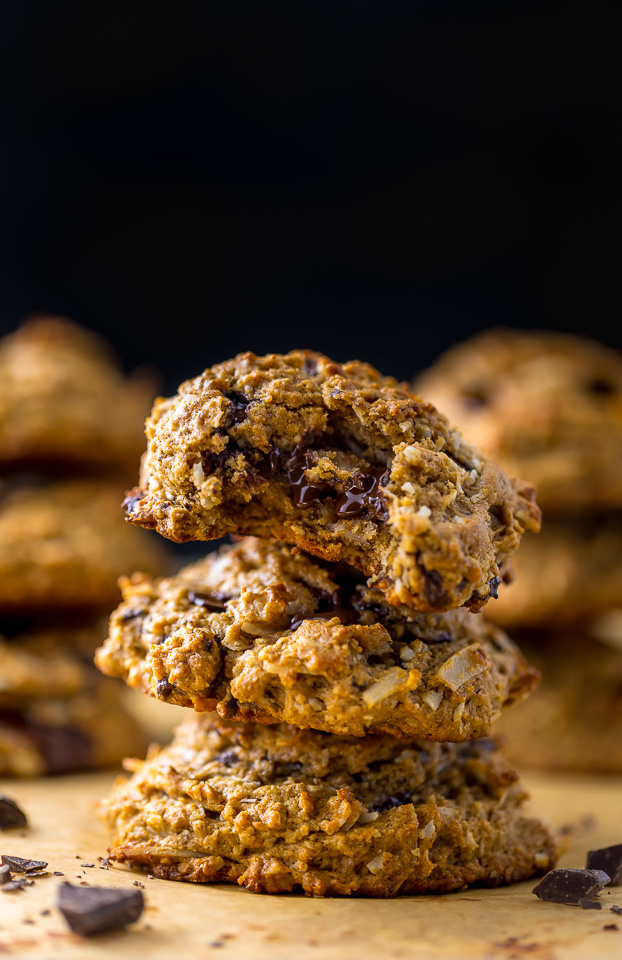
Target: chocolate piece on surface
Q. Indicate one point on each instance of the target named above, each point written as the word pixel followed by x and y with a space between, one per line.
pixel 570 885
pixel 10 814
pixel 90 910
pixel 608 859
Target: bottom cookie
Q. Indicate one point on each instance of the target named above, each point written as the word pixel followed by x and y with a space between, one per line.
pixel 574 719
pixel 89 730
pixel 275 809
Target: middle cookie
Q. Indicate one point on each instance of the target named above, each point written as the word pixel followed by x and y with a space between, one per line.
pixel 262 633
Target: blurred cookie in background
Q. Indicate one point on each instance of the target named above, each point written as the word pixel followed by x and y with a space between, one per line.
pixel 57 714
pixel 567 575
pixel 71 436
pixel 63 545
pixel 573 721
pixel 547 406
pixel 65 403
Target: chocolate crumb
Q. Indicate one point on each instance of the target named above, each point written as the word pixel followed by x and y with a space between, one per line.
pixel 164 688
pixel 608 859
pixel 45 913
pixel 5 874
pixel 590 905
pixel 570 885
pixel 19 865
pixel 87 864
pixel 98 909
pixel 11 815
pixel 611 926
pixel 57 873
pixel 16 885
pixel 616 909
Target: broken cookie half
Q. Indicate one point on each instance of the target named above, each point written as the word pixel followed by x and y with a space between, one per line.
pixel 340 461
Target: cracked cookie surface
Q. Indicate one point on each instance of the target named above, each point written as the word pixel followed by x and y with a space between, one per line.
pixel 261 633
pixel 341 461
pixel 64 544
pixel 64 401
pixel 278 809
pixel 545 405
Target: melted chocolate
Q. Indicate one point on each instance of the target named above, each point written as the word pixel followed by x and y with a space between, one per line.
pixel 239 404
pixel 210 602
pixel 364 493
pixel 305 492
pixel 164 689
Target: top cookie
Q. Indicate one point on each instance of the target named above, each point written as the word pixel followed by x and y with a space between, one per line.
pixel 340 461
pixel 65 403
pixel 547 406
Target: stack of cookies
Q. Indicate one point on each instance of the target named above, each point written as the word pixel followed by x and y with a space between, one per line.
pixel 342 680
pixel 70 433
pixel 548 407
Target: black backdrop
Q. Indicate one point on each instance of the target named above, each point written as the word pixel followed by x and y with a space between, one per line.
pixel 371 179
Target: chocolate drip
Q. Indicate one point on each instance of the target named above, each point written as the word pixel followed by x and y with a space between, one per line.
pixel 364 493
pixel 305 492
pixel 239 404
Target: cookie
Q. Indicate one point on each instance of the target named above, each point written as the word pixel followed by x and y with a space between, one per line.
pixel 340 461
pixel 545 405
pixel 64 545
pixel 261 633
pixel 65 403
pixel 567 575
pixel 47 662
pixel 276 809
pixel 574 720
pixel 88 730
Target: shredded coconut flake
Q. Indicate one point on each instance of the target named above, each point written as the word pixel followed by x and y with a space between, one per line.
pixel 428 831
pixel 375 865
pixel 393 681
pixel 433 698
pixel 424 512
pixel 462 666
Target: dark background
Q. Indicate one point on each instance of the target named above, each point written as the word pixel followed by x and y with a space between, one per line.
pixel 370 179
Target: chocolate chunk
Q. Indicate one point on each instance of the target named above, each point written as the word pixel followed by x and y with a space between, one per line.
pixel 590 904
pixel 19 865
pixel 239 404
pixel 130 502
pixel 10 814
pixel 304 491
pixel 283 769
pixel 227 758
pixel 396 800
pixel 601 387
pixel 20 884
pixel 493 588
pixel 363 494
pixel 434 588
pixel 5 874
pixel 98 909
pixel 164 688
pixel 616 909
pixel 65 749
pixel 570 885
pixel 611 926
pixel 608 859
pixel 215 604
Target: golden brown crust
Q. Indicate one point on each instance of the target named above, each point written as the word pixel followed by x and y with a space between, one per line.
pixel 547 406
pixel 263 634
pixel 64 400
pixel 277 809
pixel 344 463
pixel 64 545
